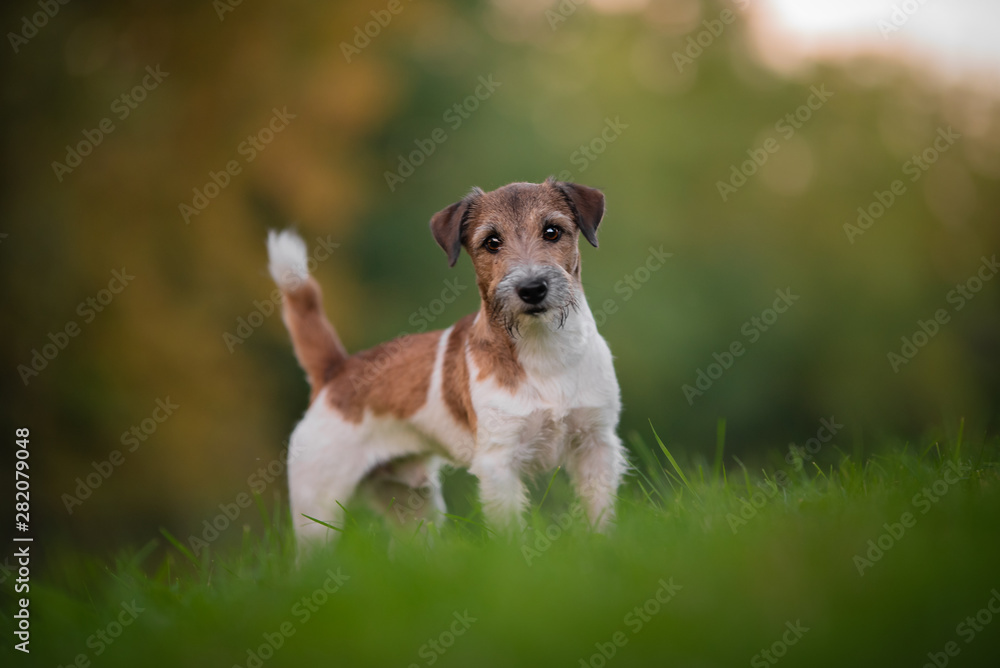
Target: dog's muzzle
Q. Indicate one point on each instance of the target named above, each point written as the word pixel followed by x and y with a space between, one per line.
pixel 533 291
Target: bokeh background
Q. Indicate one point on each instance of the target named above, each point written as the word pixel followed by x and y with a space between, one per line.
pixel 565 71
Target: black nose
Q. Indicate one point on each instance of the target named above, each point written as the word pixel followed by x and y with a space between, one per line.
pixel 533 291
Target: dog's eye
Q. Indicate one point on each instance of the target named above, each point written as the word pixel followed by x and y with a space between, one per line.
pixel 492 243
pixel 552 233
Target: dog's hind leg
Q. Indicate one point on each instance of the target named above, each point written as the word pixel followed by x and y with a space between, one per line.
pixel 326 462
pixel 407 491
pixel 320 495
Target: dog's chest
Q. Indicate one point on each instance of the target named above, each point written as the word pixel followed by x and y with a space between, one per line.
pixel 554 409
pixel 543 437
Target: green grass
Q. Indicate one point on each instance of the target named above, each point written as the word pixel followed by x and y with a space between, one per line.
pixel 552 601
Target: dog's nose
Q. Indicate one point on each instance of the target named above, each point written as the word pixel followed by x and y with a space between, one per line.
pixel 532 291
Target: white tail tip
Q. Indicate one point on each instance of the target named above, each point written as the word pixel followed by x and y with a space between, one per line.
pixel 287 255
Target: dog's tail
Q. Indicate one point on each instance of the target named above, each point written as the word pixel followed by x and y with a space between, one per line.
pixel 316 344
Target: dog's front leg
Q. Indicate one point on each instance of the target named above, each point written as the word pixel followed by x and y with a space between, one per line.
pixel 596 467
pixel 503 494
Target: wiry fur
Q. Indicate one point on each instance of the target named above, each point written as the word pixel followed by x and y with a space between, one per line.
pixel 516 389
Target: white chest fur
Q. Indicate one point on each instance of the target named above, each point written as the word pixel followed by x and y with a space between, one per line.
pixel 569 391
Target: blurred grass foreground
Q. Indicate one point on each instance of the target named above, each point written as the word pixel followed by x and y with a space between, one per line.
pixel 877 563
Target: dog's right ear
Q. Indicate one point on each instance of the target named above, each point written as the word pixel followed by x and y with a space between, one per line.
pixel 447 225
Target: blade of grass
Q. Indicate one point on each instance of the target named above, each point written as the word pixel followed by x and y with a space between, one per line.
pixel 181 547
pixel 958 441
pixel 720 444
pixel 416 531
pixel 466 519
pixel 262 509
pixel 648 497
pixel 326 524
pixel 348 515
pixel 652 486
pixel 551 480
pixel 653 464
pixel 673 462
pixel 746 474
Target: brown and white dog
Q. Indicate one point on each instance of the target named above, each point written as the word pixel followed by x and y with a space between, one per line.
pixel 521 386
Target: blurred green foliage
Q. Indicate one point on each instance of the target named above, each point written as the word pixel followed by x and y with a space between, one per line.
pixel 679 134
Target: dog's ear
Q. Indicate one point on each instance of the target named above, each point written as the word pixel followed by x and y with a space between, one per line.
pixel 587 205
pixel 447 225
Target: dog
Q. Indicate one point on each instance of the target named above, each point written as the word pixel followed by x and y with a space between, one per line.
pixel 520 387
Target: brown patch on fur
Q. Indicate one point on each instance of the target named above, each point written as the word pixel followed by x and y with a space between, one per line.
pixel 316 344
pixel 392 378
pixel 455 376
pixel 494 353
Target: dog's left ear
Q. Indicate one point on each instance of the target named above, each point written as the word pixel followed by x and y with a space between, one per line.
pixel 587 205
pixel 447 225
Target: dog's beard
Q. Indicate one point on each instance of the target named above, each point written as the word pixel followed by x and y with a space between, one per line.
pixel 512 316
pixel 518 318
pixel 562 312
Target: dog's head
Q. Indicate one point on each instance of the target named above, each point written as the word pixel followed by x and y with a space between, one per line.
pixel 522 239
